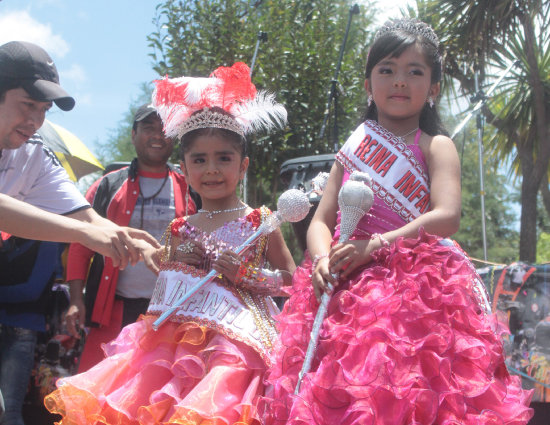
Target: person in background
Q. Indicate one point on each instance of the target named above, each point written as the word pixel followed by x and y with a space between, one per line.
pixel 147 195
pixel 34 189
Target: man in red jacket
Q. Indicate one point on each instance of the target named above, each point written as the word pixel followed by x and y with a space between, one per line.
pixel 146 195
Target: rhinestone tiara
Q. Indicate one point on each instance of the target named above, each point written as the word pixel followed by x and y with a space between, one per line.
pixel 226 99
pixel 208 118
pixel 411 26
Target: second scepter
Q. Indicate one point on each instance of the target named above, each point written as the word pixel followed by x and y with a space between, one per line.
pixel 354 199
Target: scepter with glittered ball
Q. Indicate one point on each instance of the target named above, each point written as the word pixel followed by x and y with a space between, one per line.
pixel 354 199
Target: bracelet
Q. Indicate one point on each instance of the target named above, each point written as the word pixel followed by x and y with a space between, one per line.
pixel 243 272
pixel 382 239
pixel 316 260
pixel 259 281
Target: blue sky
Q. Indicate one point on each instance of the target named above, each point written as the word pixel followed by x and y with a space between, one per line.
pixel 100 50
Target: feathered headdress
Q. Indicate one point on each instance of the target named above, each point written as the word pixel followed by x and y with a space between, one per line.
pixel 186 103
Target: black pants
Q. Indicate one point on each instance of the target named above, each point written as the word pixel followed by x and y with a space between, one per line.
pixel 133 307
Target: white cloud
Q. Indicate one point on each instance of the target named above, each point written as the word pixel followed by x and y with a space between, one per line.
pixel 84 98
pixel 75 73
pixel 19 25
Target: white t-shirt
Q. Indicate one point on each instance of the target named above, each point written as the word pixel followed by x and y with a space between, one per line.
pixel 138 281
pixel 33 174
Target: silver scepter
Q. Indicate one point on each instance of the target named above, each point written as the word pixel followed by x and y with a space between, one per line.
pixel 354 199
pixel 293 205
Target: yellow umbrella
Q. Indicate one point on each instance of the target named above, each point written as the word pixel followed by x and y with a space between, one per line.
pixel 73 154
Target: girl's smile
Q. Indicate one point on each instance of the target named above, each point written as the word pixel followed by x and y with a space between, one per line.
pixel 213 167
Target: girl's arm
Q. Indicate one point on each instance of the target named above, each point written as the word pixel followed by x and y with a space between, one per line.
pixel 279 256
pixel 442 219
pixel 321 229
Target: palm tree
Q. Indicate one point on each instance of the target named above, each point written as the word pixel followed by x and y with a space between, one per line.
pixel 491 34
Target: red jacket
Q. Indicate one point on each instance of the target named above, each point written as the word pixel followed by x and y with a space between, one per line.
pixel 114 196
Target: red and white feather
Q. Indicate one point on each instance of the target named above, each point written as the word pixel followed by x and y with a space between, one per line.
pixel 229 88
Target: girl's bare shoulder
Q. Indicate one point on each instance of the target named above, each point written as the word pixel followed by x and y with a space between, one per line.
pixel 434 145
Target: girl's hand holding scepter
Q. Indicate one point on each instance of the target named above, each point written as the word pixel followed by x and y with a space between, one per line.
pixel 354 199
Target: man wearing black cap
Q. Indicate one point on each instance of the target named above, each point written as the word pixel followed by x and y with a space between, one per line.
pixel 33 186
pixel 30 172
pixel 147 195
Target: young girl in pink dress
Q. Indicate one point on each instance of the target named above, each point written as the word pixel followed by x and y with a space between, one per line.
pixel 409 337
pixel 205 365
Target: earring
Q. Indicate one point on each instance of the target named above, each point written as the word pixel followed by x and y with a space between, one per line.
pixel 187 201
pixel 369 100
pixel 430 102
pixel 241 188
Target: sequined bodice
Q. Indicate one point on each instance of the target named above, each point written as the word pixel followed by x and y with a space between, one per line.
pixel 227 237
pixel 219 304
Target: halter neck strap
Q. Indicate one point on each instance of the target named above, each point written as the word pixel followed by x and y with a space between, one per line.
pixel 417 137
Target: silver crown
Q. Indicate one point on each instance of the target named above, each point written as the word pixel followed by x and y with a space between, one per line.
pixel 411 26
pixel 207 118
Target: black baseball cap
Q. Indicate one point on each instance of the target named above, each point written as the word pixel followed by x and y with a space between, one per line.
pixel 34 69
pixel 143 112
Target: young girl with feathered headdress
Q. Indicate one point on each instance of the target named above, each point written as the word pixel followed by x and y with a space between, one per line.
pixel 206 364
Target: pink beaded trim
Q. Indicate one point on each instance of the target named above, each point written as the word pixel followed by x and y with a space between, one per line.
pixel 381 238
pixel 316 260
pixel 182 267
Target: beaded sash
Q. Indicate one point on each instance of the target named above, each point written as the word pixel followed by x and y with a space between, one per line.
pixel 234 312
pixel 398 178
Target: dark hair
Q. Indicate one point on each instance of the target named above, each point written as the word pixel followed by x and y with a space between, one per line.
pixel 392 42
pixel 188 139
pixel 8 84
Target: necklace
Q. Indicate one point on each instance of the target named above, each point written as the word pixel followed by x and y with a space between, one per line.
pixel 408 134
pixel 211 214
pixel 148 198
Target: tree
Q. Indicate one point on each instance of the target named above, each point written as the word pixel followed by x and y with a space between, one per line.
pixel 297 62
pixel 502 238
pixel 118 146
pixel 490 34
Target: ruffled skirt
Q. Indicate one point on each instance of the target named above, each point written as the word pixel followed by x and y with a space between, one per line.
pixel 181 374
pixel 405 341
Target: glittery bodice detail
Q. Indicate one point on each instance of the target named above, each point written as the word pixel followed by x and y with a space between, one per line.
pixel 219 304
pixel 227 237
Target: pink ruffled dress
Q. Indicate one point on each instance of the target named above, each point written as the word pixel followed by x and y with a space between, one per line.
pixel 204 366
pixel 407 340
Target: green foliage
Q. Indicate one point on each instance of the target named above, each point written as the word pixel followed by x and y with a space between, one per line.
pixel 543 248
pixel 482 37
pixel 297 62
pixel 500 218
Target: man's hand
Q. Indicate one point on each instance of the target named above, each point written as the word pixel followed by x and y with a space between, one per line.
pixel 76 314
pixel 150 255
pixel 121 244
pixel 116 242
